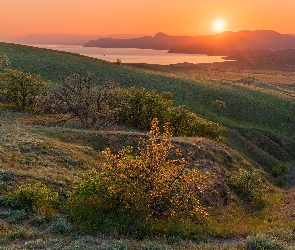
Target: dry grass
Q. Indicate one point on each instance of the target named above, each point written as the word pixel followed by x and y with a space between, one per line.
pixel 29 155
pixel 60 156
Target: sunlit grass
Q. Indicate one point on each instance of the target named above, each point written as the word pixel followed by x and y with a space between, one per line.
pixel 261 134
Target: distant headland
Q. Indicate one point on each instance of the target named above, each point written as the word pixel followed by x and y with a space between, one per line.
pixel 218 44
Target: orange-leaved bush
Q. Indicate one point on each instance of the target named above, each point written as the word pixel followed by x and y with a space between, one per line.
pixel 150 185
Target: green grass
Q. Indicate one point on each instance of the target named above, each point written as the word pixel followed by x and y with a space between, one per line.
pixel 59 156
pixel 263 109
pixel 247 106
pixel 260 119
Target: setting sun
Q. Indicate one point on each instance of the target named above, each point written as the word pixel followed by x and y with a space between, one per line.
pixel 219 25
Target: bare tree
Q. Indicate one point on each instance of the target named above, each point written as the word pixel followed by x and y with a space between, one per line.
pixel 94 103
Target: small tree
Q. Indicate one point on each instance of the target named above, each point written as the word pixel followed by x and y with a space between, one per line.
pixel 94 103
pixel 22 88
pixel 145 105
pixel 149 185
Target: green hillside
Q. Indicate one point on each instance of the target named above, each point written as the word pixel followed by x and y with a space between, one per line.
pixel 247 106
pixel 245 182
pixel 260 108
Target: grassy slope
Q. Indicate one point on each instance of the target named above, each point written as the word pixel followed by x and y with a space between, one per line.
pixel 263 110
pixel 58 156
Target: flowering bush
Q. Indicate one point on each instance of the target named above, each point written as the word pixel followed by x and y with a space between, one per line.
pixel 149 185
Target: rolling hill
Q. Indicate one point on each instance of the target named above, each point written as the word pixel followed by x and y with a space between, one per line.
pixel 258 111
pixel 248 105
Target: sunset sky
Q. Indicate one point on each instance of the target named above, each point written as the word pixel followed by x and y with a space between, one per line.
pixel 173 17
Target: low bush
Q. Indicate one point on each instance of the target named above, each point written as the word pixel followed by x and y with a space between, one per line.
pixel 21 88
pixel 60 225
pixel 264 242
pixel 145 105
pixel 185 123
pixel 142 106
pixel 131 191
pixel 4 61
pixel 94 103
pixel 279 170
pixel 249 186
pixel 17 216
pixel 35 197
pixel 153 246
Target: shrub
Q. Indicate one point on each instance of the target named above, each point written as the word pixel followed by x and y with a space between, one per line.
pixel 81 96
pixel 37 221
pixel 185 123
pixel 22 89
pixel 146 186
pixel 34 197
pixel 60 225
pixel 279 170
pixel 249 186
pixel 119 62
pixel 153 246
pixel 17 216
pixel 143 106
pixel 173 239
pixel 219 106
pixel 265 242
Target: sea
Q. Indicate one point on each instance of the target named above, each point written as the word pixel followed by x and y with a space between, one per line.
pixel 133 55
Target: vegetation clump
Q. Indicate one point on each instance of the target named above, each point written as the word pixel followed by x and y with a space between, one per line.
pixel 60 225
pixel 101 104
pixel 80 96
pixel 4 61
pixel 142 106
pixel 22 89
pixel 35 197
pixel 249 186
pixel 266 242
pixel 147 186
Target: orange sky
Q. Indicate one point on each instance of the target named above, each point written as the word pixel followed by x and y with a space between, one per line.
pixel 174 17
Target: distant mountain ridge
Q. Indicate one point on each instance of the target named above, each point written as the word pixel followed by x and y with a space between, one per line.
pixel 213 44
pixel 160 41
pixel 63 39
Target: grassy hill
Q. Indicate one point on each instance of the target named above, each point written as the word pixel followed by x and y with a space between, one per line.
pixel 263 108
pixel 259 116
pixel 60 156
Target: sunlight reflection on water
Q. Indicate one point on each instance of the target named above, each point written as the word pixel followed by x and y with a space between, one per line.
pixel 132 55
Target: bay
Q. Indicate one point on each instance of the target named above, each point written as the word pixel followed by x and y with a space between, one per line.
pixel 133 55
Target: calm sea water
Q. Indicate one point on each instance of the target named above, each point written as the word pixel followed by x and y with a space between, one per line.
pixel 135 55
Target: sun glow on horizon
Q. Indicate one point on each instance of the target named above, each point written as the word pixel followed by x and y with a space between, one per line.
pixel 219 25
